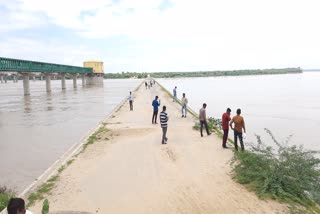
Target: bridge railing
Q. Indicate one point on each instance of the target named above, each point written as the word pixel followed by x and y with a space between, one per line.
pixel 7 64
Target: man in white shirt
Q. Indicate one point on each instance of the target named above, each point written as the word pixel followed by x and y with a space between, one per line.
pixel 184 102
pixel 130 98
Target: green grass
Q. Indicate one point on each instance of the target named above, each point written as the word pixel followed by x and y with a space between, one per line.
pixel 42 191
pixel 284 172
pixel 5 195
pixel 94 137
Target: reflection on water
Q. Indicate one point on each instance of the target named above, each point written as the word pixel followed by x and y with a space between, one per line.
pixel 35 130
pixel 27 104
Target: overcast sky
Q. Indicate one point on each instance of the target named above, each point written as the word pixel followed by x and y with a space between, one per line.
pixel 163 35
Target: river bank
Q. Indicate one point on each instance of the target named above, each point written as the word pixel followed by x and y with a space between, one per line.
pixel 128 170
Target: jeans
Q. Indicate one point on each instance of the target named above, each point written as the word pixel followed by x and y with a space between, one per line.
pixel 184 107
pixel 236 135
pixel 131 105
pixel 205 125
pixel 154 117
pixel 164 133
pixel 174 98
pixel 225 137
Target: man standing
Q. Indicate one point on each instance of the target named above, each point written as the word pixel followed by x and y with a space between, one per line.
pixel 184 102
pixel 164 124
pixel 203 119
pixel 130 98
pixel 238 126
pixel 155 104
pixel 175 94
pixel 225 126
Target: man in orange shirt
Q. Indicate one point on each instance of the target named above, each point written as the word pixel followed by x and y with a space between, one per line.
pixel 238 126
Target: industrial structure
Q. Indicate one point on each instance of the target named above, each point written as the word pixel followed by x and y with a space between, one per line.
pixel 97 66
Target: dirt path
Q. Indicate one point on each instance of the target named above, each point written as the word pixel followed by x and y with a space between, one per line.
pixel 132 172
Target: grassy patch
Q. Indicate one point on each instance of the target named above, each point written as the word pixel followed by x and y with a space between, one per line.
pixel 5 195
pixel 287 173
pixel 42 191
pixel 94 137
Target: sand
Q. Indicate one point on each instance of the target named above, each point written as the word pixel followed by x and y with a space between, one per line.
pixel 130 171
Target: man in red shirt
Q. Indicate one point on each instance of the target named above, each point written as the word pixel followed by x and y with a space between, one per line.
pixel 225 126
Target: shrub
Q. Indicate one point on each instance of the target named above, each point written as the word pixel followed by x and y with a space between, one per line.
pixel 45 207
pixel 5 195
pixel 213 124
pixel 287 172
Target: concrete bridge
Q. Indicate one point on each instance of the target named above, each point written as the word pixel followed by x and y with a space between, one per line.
pixel 27 69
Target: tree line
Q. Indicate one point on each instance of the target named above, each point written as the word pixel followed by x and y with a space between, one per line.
pixel 125 75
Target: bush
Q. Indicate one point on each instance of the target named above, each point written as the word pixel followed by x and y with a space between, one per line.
pixel 213 124
pixel 288 173
pixel 5 195
pixel 45 207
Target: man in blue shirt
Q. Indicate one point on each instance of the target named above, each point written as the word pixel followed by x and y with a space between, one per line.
pixel 155 104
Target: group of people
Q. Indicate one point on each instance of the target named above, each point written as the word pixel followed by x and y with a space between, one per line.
pixel 237 121
pixel 149 84
pixel 227 122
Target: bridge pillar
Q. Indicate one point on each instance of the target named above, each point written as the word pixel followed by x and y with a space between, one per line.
pixel 74 77
pixel 41 77
pixel 26 83
pixel 34 77
pixel 63 81
pixel 94 79
pixel 48 82
pixel 5 78
pixel 15 78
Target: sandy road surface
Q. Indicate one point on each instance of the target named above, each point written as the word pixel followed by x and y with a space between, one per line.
pixel 132 172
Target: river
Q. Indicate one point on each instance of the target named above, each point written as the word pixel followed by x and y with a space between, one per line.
pixel 287 104
pixel 36 130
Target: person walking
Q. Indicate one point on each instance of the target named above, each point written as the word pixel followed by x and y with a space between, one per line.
pixel 146 84
pixel 184 102
pixel 238 126
pixel 130 98
pixel 164 124
pixel 203 119
pixel 225 126
pixel 155 104
pixel 175 94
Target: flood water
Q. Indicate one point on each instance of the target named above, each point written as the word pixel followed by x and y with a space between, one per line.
pixel 286 104
pixel 36 130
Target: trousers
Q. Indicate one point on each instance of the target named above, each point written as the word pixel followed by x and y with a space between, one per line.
pixel 236 135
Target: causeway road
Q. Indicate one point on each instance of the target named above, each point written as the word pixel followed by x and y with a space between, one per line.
pixel 128 170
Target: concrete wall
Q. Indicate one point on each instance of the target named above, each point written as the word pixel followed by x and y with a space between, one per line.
pixel 94 80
